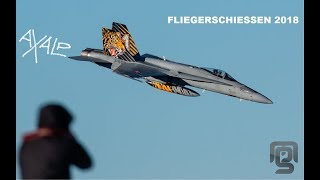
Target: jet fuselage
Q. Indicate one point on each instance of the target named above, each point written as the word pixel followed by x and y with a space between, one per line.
pixel 121 55
pixel 221 84
pixel 227 87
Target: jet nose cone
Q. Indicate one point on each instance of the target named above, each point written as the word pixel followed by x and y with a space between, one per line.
pixel 256 96
pixel 269 101
pixel 263 99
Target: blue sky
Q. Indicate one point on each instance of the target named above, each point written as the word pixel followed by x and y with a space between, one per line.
pixel 134 131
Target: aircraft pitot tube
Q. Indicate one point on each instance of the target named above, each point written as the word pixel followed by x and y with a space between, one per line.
pixel 173 89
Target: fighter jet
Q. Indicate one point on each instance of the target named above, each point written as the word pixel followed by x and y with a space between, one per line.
pixel 121 55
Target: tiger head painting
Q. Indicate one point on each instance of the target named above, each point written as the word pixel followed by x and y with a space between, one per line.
pixel 114 44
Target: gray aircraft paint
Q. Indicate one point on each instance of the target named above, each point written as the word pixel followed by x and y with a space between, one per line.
pixel 192 75
pixel 124 59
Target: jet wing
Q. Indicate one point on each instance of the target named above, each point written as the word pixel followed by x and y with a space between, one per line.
pixel 87 58
pixel 196 78
pixel 139 70
pixel 135 70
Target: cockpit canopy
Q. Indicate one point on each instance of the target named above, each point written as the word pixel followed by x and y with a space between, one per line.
pixel 219 73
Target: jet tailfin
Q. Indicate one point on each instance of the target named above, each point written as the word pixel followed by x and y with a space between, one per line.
pixel 118 42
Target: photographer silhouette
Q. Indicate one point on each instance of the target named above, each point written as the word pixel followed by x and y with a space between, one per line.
pixel 49 151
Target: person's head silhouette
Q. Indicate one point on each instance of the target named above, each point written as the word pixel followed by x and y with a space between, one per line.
pixel 54 116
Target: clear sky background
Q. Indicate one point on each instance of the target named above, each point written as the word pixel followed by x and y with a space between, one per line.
pixel 134 131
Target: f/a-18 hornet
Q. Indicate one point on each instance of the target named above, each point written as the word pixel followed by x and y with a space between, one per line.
pixel 122 56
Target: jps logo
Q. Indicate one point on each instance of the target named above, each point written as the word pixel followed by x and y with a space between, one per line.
pixel 282 152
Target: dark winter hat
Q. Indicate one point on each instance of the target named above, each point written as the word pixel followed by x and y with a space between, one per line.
pixel 54 116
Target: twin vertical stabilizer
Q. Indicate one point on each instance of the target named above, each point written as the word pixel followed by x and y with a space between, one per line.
pixel 118 42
